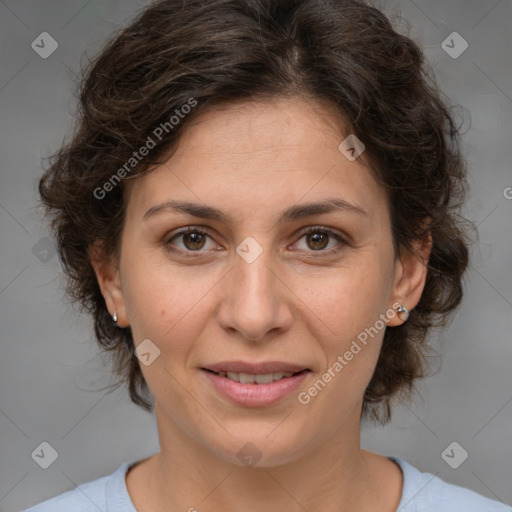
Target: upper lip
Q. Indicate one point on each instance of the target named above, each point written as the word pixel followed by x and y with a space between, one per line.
pixel 255 368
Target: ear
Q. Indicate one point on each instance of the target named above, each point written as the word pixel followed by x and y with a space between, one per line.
pixel 107 274
pixel 410 276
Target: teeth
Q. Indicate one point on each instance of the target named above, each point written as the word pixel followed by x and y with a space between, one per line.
pixel 247 378
pixel 266 378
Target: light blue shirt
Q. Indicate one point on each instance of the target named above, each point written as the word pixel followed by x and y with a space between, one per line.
pixel 422 492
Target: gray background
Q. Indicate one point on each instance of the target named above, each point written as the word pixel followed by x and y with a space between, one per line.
pixel 50 367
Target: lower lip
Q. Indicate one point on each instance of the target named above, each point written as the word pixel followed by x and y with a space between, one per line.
pixel 255 395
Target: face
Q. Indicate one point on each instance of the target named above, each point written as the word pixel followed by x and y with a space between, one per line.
pixel 245 273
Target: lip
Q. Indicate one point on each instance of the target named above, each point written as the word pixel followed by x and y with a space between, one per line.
pixel 255 368
pixel 255 395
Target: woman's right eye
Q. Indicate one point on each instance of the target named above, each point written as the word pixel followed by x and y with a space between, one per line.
pixel 192 240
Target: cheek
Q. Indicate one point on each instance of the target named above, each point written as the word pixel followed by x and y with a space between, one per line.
pixel 350 305
pixel 351 355
pixel 168 307
pixel 350 300
pixel 163 302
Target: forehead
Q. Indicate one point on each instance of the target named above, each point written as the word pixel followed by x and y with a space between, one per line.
pixel 250 126
pixel 260 154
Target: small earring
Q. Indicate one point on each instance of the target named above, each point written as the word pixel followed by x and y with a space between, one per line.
pixel 114 317
pixel 403 313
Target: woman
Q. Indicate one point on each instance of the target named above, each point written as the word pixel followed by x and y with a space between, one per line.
pixel 259 209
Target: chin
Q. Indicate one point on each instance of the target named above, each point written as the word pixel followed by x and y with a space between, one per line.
pixel 264 448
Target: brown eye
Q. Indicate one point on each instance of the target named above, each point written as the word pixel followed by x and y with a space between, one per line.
pixel 317 240
pixel 193 240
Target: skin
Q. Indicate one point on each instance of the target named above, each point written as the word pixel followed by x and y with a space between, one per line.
pixel 294 303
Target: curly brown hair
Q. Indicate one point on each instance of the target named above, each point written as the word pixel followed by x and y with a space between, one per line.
pixel 225 51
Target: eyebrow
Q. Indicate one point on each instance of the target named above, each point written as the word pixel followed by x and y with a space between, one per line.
pixel 292 213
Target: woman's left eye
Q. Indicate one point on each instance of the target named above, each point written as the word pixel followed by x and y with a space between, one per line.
pixel 318 238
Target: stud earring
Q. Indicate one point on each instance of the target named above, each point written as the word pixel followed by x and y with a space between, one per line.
pixel 114 317
pixel 403 313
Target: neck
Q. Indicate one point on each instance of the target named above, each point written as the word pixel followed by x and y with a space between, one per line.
pixel 334 474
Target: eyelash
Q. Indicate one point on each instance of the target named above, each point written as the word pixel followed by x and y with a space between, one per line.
pixel 313 229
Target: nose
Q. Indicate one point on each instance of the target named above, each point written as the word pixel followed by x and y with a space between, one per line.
pixel 255 301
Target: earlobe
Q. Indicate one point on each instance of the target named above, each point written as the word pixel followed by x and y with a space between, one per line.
pixel 411 275
pixel 107 275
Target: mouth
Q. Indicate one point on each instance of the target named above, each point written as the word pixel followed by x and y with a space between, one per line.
pixel 261 378
pixel 255 385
